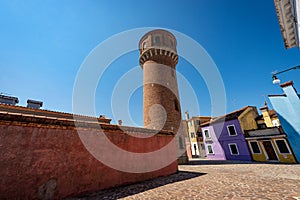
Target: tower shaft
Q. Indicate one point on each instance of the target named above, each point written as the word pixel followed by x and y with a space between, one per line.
pixel 158 58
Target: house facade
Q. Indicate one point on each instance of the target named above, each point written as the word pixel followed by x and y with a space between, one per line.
pixel 269 145
pixel 287 107
pixel 224 137
pixel 194 138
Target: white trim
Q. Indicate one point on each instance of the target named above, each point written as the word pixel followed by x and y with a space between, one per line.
pixel 207 132
pixel 233 128
pixel 211 150
pixel 260 151
pixel 285 145
pixel 195 153
pixel 238 153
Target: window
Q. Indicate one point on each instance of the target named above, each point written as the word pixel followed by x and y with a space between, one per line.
pixel 233 149
pixel 210 149
pixel 199 134
pixel 275 123
pixel 192 135
pixel 197 122
pixel 281 145
pixel 144 45
pixel 231 130
pixel 157 39
pixel 176 105
pixel 171 43
pixel 262 126
pixel 206 133
pixel 172 72
pixel 191 123
pixel 255 148
pixel 181 143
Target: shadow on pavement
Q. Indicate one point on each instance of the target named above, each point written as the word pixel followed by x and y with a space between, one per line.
pixel 124 191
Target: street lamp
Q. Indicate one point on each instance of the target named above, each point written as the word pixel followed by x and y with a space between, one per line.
pixel 274 77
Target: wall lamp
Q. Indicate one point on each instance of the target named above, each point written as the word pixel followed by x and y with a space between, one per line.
pixel 274 77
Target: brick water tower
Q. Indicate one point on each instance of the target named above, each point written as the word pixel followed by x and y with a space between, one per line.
pixel 158 59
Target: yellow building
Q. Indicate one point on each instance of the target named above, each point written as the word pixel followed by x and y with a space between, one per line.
pixel 268 118
pixel 269 143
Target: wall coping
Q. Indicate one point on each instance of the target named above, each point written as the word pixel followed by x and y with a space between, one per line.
pixel 64 123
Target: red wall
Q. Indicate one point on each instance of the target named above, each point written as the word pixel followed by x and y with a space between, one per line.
pixel 40 162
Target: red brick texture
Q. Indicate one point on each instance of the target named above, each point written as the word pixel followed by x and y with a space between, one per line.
pixel 38 161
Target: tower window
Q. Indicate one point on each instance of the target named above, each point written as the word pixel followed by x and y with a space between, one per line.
pixel 157 39
pixel 176 105
pixel 173 72
pixel 144 45
pixel 181 143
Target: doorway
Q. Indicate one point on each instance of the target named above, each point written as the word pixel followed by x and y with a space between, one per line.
pixel 270 150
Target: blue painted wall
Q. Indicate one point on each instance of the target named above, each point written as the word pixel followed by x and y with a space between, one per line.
pixel 287 108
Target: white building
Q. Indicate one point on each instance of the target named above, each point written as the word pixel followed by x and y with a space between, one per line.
pixel 288 13
pixel 195 147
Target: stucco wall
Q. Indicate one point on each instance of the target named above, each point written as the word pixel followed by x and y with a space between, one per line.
pixel 261 157
pixel 218 152
pixel 287 108
pixel 45 162
pixel 247 119
pixel 225 139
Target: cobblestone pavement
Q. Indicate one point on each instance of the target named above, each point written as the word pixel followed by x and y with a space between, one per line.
pixel 215 181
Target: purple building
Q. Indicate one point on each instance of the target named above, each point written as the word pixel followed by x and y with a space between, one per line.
pixel 224 136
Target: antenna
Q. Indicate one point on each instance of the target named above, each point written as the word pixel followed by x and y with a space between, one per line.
pixel 4 93
pixel 265 103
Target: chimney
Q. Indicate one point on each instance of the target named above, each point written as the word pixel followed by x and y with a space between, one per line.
pixel 266 115
pixel 286 84
pixel 34 104
pixel 120 122
pixel 187 116
pixel 9 100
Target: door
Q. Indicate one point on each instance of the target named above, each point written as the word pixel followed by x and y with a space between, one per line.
pixel 270 150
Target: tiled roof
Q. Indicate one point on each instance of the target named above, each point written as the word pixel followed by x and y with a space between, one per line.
pixel 5 108
pixel 23 116
pixel 227 117
pixel 272 113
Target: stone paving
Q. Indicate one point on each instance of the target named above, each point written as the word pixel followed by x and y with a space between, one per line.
pixel 215 181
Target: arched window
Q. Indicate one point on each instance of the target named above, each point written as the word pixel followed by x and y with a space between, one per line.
pixel 157 39
pixel 171 43
pixel 176 105
pixel 144 45
pixel 181 143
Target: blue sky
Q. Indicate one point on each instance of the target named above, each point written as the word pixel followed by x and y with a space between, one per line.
pixel 43 44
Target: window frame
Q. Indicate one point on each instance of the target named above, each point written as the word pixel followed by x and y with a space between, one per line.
pixel 233 128
pixel 192 134
pixel 209 145
pixel 260 151
pixel 144 45
pixel 159 39
pixel 287 146
pixel 237 149
pixel 206 130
